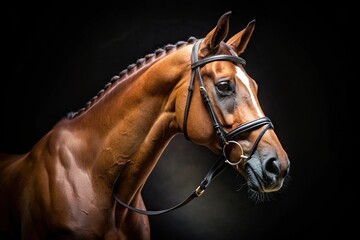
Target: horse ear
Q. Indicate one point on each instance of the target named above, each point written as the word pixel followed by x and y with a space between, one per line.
pixel 240 40
pixel 213 39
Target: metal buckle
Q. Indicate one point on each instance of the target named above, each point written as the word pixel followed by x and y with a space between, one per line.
pixel 198 191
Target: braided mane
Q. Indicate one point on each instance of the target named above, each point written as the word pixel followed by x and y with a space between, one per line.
pixel 125 73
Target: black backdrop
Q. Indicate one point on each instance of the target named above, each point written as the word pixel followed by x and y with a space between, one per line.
pixel 57 57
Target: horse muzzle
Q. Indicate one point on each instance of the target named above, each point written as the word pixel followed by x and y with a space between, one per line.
pixel 267 175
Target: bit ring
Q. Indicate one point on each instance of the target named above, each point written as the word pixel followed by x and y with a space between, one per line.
pixel 242 156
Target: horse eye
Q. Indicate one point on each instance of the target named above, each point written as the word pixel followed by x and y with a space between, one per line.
pixel 224 88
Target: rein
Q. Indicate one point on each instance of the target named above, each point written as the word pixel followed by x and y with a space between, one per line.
pixel 225 138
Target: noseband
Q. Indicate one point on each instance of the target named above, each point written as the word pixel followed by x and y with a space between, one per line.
pixel 226 139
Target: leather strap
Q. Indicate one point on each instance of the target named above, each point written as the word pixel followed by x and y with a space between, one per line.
pixel 216 169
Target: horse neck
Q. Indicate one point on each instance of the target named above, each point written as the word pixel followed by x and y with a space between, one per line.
pixel 132 123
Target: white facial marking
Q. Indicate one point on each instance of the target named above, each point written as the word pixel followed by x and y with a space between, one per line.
pixel 245 80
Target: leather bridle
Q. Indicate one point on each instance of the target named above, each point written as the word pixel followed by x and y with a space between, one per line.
pixel 225 138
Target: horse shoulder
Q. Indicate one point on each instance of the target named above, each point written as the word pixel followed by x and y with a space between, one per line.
pixel 55 192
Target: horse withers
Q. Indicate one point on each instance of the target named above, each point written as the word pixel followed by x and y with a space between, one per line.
pixel 64 187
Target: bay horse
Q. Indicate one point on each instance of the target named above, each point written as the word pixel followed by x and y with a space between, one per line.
pixel 83 179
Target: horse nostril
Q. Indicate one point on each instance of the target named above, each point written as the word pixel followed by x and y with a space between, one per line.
pixel 272 165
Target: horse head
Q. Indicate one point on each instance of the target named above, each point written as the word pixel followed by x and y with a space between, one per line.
pixel 220 109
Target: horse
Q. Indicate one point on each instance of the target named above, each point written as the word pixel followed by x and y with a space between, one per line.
pixel 83 179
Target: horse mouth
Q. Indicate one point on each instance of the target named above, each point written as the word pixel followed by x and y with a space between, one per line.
pixel 254 180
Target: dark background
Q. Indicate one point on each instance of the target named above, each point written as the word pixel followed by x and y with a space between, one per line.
pixel 56 57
